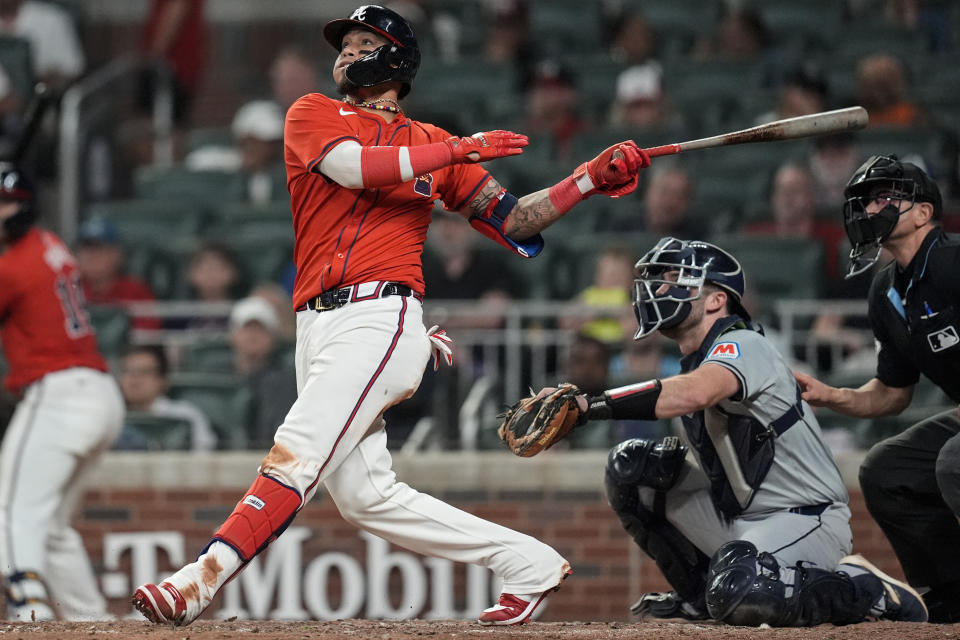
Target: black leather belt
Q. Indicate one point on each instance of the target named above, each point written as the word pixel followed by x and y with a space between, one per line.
pixel 336 298
pixel 811 510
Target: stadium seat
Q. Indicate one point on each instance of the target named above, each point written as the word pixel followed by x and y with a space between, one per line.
pixel 677 24
pixel 242 212
pixel 817 22
pixel 262 258
pixel 16 60
pixel 199 137
pixel 154 433
pixel 561 27
pixel 207 355
pixel 208 187
pixel 225 399
pixel 926 143
pixel 112 325
pixel 778 267
pixel 151 223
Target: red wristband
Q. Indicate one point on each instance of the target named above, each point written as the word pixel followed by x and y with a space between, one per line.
pixel 425 158
pixel 381 166
pixel 565 194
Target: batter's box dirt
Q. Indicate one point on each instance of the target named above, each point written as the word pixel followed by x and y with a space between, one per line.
pixel 461 630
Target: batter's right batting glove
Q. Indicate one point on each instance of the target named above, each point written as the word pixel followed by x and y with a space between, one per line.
pixel 616 170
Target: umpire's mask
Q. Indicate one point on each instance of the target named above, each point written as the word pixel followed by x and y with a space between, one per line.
pixel 886 183
pixel 671 276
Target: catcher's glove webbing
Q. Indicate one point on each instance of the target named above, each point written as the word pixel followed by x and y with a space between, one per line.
pixel 539 421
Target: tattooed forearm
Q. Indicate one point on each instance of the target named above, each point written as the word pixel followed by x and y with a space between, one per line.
pixel 532 214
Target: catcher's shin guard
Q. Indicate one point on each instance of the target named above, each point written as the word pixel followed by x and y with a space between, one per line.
pixel 744 588
pixel 681 562
pixel 265 511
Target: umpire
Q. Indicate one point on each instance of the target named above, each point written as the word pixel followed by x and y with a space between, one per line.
pixel 911 482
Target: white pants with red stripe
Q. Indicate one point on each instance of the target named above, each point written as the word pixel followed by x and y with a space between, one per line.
pixel 58 432
pixel 352 364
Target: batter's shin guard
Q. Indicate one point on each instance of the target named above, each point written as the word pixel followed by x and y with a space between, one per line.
pixel 265 511
pixel 681 562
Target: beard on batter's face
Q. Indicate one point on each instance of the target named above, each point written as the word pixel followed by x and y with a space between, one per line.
pixel 346 88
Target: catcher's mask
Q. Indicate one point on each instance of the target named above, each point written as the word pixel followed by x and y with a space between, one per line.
pixel 16 187
pixel 887 182
pixel 671 276
pixel 394 62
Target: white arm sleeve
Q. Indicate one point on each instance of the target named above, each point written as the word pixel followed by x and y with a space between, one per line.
pixel 342 165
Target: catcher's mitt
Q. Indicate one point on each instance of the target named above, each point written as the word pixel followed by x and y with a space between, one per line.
pixel 538 422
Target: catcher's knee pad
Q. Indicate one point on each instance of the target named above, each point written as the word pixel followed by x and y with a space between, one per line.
pixel 681 562
pixel 648 463
pixel 265 511
pixel 744 587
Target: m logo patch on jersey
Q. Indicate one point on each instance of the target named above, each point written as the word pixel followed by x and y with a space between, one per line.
pixel 424 185
pixel 729 350
pixel 943 339
pixel 254 502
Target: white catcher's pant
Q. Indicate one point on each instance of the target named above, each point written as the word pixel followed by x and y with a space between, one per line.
pixel 58 431
pixel 352 364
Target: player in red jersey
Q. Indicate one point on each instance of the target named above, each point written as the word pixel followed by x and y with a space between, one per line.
pixel 363 179
pixel 69 413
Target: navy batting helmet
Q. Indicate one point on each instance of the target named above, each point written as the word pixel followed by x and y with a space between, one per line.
pixel 16 187
pixel 671 276
pixel 890 181
pixel 394 62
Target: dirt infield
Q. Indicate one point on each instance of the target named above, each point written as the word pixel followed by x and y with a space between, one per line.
pixel 418 629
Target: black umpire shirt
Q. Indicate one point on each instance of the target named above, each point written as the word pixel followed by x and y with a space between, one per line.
pixel 915 314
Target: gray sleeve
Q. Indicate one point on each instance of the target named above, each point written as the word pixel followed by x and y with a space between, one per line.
pixel 751 357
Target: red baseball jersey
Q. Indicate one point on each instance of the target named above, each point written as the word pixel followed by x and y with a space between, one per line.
pixel 347 236
pixel 43 324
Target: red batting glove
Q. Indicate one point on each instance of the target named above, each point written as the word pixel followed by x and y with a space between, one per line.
pixel 486 145
pixel 615 172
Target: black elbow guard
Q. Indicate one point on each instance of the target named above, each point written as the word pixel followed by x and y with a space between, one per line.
pixel 632 402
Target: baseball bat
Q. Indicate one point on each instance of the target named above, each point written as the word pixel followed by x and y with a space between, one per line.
pixel 814 124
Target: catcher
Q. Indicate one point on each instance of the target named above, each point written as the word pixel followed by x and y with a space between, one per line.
pixel 754 527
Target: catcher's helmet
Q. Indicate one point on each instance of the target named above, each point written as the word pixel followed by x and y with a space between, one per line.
pixel 672 274
pixel 397 61
pixel 16 187
pixel 888 179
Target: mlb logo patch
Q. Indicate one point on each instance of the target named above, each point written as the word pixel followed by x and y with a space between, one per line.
pixel 728 350
pixel 943 339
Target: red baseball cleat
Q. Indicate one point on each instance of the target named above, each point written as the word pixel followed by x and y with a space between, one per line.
pixel 511 610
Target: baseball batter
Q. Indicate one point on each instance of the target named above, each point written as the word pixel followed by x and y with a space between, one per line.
pixel 911 482
pixel 755 528
pixel 69 413
pixel 363 179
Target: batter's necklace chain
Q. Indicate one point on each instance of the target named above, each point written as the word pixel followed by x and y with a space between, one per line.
pixel 381 104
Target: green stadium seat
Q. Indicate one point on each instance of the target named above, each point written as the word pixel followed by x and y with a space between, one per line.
pixel 207 355
pixel 180 183
pixel 16 59
pixel 199 137
pixel 262 259
pixel 155 433
pixel 818 22
pixel 778 267
pixel 242 212
pixel 678 23
pixel 562 27
pixel 226 400
pixel 151 223
pixel 112 325
pixel 904 142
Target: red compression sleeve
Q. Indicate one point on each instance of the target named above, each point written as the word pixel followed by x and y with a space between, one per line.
pixel 565 194
pixel 380 166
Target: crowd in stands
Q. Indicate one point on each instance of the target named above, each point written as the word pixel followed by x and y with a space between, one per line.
pixel 574 76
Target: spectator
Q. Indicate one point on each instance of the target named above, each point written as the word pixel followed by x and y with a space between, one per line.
pixel 100 261
pixel 641 102
pixel 803 91
pixel 214 274
pixel 741 34
pixel 553 107
pixel 883 90
pixel 176 33
pixel 666 204
pixel 144 380
pixel 254 338
pixel 642 360
pixel 794 214
pixel 55 49
pixel 508 40
pixel 606 298
pixel 292 75
pixel 588 366
pixel 634 41
pixel 831 159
